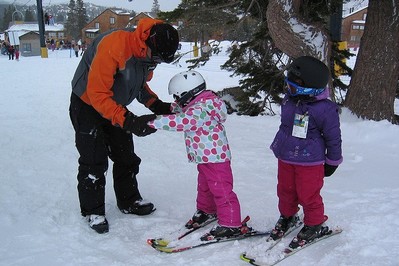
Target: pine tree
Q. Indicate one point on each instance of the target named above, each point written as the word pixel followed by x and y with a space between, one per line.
pixel 71 24
pixel 76 19
pixel 81 17
pixel 29 15
pixel 60 18
pixel 155 7
pixel 7 18
pixel 257 61
pixel 256 58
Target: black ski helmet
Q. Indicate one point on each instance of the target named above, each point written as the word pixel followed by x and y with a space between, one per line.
pixel 163 41
pixel 313 72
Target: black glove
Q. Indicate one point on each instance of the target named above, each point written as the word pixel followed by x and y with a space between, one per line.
pixel 138 124
pixel 160 108
pixel 329 169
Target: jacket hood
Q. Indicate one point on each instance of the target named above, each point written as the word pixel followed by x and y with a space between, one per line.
pixel 205 95
pixel 142 33
pixel 324 95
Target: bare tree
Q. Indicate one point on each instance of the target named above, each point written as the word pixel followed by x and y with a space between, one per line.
pixel 372 88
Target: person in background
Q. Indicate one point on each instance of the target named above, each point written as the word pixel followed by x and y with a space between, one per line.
pixel 308 148
pixel 17 54
pixel 11 52
pixel 52 44
pixel 112 73
pixel 206 50
pixel 200 114
pixel 76 50
pixel 83 48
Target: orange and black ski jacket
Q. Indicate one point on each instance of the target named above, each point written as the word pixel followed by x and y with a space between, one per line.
pixel 114 71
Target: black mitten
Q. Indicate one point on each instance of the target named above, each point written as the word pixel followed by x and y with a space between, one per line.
pixel 138 124
pixel 329 169
pixel 160 108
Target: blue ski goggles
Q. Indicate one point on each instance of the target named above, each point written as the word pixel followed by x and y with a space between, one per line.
pixel 294 89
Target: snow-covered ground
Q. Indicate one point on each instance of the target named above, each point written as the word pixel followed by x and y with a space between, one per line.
pixel 40 222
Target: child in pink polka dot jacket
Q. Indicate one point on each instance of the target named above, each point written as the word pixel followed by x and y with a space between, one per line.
pixel 199 113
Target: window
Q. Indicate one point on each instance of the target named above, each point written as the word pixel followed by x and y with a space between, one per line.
pixel 355 27
pixel 364 16
pixel 26 48
pixel 361 27
pixel 112 20
pixel 90 35
pixel 52 35
pixel 97 25
pixel 355 38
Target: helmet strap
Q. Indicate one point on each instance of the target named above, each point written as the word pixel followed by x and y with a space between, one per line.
pixel 186 97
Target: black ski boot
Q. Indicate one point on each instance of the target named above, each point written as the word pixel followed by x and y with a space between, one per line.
pixel 219 231
pixel 308 234
pixel 98 223
pixel 282 226
pixel 199 218
pixel 223 231
pixel 140 207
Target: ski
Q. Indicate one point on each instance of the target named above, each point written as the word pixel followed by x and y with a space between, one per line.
pixel 272 243
pixel 164 245
pixel 298 223
pixel 175 249
pixel 181 233
pixel 286 252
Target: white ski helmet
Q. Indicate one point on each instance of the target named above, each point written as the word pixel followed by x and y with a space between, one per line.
pixel 186 85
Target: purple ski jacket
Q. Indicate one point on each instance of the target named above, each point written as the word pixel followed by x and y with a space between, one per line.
pixel 322 143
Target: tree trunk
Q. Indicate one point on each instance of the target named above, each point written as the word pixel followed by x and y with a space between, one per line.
pixel 371 93
pixel 292 34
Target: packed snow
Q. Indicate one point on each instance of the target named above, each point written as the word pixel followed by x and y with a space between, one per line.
pixel 40 216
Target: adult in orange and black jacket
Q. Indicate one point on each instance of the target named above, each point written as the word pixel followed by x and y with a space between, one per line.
pixel 114 71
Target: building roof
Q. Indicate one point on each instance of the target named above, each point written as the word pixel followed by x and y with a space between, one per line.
pixel 92 30
pixel 354 12
pixel 359 21
pixel 34 27
pixel 27 32
pixel 119 11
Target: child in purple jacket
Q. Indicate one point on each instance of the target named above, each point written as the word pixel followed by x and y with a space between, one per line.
pixel 200 114
pixel 308 148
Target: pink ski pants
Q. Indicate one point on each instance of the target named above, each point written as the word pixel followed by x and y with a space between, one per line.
pixel 215 193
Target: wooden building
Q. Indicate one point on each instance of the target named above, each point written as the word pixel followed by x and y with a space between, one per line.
pixel 353 27
pixel 108 20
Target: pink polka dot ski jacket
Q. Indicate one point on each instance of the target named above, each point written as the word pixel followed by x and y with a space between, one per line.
pixel 201 121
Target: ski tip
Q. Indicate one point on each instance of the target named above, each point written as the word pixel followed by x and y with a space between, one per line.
pixel 335 230
pixel 244 257
pixel 158 242
pixel 288 250
pixel 338 229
